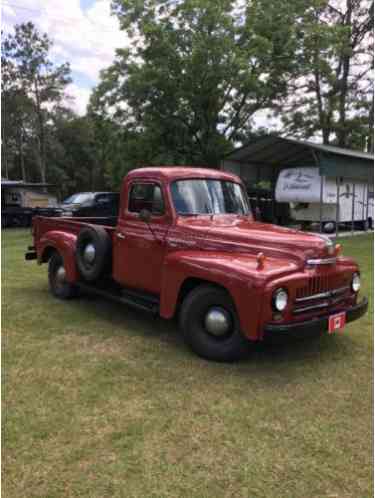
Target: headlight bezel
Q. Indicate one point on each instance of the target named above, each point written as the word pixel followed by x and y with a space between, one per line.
pixel 356 282
pixel 281 291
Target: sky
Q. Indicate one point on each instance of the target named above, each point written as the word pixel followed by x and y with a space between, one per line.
pixel 84 34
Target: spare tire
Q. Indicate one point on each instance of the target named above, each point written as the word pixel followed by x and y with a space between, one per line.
pixel 93 252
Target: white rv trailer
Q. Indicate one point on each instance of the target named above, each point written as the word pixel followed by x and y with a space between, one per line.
pixel 304 189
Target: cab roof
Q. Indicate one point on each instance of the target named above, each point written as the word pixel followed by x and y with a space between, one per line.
pixel 171 173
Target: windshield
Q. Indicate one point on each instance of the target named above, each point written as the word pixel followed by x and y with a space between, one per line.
pixel 78 198
pixel 203 196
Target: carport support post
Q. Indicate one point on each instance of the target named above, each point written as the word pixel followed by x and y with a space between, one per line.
pixel 363 205
pixel 353 200
pixel 321 206
pixel 367 191
pixel 337 205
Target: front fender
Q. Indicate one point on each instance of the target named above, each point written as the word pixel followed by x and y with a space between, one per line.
pixel 65 244
pixel 237 273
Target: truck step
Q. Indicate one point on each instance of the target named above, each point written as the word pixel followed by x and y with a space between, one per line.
pixel 139 300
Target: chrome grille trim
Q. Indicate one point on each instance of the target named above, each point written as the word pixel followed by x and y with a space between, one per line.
pixel 312 307
pixel 323 295
pixel 321 261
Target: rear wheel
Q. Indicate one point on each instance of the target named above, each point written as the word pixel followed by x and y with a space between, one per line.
pixel 210 325
pixel 58 284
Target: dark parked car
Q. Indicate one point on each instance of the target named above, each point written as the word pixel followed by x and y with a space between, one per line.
pixel 95 204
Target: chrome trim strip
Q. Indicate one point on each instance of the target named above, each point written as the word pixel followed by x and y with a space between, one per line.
pixel 325 261
pixel 322 295
pixel 311 308
pixel 340 290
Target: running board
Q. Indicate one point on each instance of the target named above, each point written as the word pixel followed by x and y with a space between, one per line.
pixel 141 301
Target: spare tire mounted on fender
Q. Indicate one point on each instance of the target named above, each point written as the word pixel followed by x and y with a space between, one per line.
pixel 93 252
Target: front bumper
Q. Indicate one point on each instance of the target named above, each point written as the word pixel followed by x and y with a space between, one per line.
pixel 318 324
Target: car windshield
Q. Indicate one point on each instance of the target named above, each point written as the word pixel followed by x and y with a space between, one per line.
pixel 204 196
pixel 78 198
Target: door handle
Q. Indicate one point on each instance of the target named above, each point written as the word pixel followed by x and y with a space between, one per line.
pixel 120 235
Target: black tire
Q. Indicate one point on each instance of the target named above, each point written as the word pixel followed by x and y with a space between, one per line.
pixel 230 347
pixel 100 240
pixel 365 225
pixel 58 286
pixel 329 227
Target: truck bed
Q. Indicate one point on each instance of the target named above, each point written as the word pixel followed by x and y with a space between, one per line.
pixel 41 225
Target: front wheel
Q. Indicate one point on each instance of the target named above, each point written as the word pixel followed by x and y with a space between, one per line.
pixel 210 325
pixel 58 284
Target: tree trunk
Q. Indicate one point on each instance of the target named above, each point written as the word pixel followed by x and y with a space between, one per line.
pixel 22 161
pixel 41 138
pixel 345 60
pixel 4 152
pixel 370 141
pixel 323 124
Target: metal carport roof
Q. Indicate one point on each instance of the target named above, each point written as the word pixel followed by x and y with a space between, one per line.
pixel 273 150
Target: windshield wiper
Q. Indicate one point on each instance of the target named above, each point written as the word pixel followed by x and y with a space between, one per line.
pixel 189 214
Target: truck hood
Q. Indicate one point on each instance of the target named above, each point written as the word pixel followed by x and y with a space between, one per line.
pixel 240 233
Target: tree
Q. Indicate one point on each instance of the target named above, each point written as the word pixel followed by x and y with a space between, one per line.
pixel 196 73
pixel 333 94
pixel 34 78
pixel 16 115
pixel 72 152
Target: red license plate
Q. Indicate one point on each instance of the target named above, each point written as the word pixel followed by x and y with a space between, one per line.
pixel 336 322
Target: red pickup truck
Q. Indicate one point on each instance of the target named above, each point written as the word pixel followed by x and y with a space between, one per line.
pixel 185 243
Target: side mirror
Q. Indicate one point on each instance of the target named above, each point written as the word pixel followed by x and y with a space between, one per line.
pixel 145 215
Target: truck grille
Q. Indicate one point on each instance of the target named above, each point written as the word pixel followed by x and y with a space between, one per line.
pixel 321 292
pixel 321 284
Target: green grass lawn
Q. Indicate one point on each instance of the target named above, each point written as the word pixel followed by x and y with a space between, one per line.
pixel 102 401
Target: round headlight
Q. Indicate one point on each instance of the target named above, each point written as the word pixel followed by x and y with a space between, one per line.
pixel 280 299
pixel 356 282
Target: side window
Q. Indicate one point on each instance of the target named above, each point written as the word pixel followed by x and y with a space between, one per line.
pixel 102 199
pixel 146 196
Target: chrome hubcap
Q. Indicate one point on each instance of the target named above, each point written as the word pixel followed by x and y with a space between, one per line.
pixel 217 321
pixel 60 275
pixel 89 253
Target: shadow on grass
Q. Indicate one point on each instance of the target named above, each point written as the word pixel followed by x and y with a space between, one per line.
pixel 274 351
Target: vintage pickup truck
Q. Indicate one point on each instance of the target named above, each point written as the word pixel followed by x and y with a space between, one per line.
pixel 185 244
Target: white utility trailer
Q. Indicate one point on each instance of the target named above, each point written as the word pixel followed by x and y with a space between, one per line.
pixel 329 201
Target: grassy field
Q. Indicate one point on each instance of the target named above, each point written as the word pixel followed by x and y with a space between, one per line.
pixel 101 401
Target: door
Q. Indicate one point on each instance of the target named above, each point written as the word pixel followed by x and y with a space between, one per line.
pixel 139 247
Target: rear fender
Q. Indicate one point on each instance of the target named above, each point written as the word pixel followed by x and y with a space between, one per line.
pixel 65 244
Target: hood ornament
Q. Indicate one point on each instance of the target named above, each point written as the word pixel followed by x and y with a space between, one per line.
pixel 260 260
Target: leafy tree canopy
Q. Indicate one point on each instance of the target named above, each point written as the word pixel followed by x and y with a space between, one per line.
pixel 196 72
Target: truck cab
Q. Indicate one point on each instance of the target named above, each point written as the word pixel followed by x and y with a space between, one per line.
pixel 185 243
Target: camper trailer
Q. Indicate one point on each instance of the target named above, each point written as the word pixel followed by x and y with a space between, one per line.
pixel 21 201
pixel 303 188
